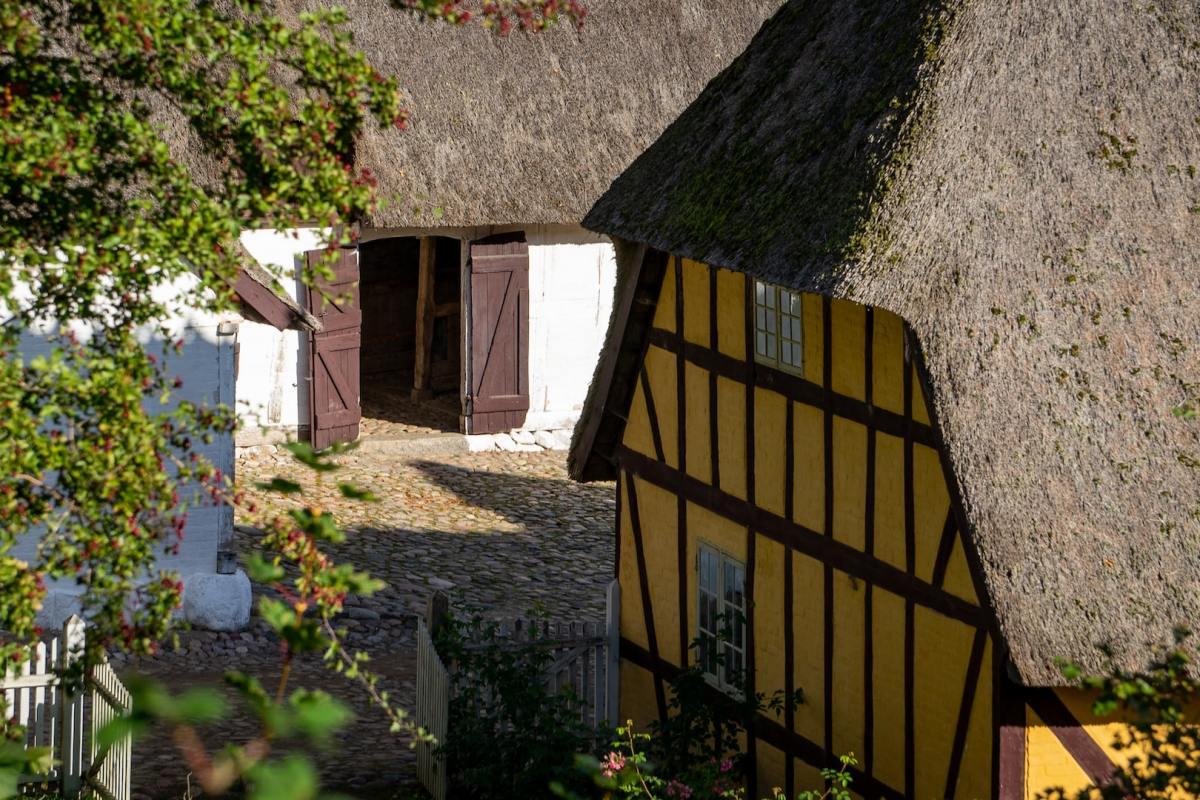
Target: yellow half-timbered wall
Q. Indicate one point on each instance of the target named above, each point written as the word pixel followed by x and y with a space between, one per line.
pixel 830 487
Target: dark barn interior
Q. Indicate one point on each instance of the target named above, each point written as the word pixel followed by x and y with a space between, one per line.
pixel 390 292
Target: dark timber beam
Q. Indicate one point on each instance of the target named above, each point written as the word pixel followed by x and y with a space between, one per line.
pixel 426 310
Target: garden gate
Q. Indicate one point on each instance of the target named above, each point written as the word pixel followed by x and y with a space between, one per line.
pixel 585 659
pixel 54 717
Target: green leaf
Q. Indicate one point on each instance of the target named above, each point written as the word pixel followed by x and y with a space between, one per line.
pixel 354 493
pixel 317 714
pixel 200 706
pixel 314 459
pixel 276 613
pixel 262 571
pixel 280 485
pixel 292 778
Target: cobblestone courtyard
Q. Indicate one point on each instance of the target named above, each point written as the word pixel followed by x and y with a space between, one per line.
pixel 499 531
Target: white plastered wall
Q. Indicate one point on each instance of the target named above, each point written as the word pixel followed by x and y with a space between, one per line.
pixel 205 366
pixel 272 390
pixel 571 280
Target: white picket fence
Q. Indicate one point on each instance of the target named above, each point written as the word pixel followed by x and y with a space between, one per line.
pixel 433 713
pixel 53 717
pixel 585 658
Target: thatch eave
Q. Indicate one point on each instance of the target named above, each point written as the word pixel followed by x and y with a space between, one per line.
pixel 1032 218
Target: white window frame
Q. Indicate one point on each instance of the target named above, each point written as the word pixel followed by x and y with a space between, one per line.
pixel 720 603
pixel 778 327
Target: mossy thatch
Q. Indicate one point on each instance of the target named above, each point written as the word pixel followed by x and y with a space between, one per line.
pixel 1018 181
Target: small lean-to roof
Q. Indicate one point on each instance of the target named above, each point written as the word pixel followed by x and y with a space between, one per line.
pixel 1019 181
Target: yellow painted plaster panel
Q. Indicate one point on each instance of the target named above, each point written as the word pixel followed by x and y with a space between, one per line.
pixel 768 615
pixel 889 499
pixel 975 772
pixel 849 482
pixel 814 360
pixel 731 436
pixel 808 614
pixel 808 425
pixel 920 408
pixel 731 313
pixel 637 430
pixel 770 769
pixel 958 574
pixel 698 455
pixel 664 311
pixel 888 361
pixel 661 374
pixel 849 661
pixel 770 450
pixel 930 509
pixel 887 624
pixel 849 345
pixel 659 516
pixel 1103 730
pixel 638 700
pixel 695 302
pixel 715 530
pixel 1047 762
pixel 633 625
pixel 941 651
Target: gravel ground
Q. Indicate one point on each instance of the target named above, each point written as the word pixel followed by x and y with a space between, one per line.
pixel 498 531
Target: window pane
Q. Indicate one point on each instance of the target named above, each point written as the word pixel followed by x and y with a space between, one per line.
pixel 760 291
pixel 708 574
pixel 770 350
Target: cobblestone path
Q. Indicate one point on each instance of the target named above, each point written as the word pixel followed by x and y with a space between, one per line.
pixel 498 531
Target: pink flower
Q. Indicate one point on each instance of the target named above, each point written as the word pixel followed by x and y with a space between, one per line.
pixel 726 765
pixel 612 764
pixel 679 790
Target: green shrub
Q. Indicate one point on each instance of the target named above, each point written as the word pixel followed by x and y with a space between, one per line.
pixel 509 736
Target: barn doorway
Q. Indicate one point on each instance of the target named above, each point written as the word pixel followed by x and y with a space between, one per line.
pixel 411 356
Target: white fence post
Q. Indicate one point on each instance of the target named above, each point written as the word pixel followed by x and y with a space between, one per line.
pixel 612 671
pixel 70 728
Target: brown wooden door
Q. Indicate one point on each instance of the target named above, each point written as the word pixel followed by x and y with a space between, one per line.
pixel 334 408
pixel 499 380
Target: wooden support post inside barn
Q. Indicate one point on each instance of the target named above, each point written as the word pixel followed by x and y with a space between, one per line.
pixel 423 368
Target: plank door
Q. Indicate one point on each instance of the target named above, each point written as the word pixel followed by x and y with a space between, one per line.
pixel 499 294
pixel 334 407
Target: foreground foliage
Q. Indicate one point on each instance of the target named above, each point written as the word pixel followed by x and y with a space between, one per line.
pixel 626 771
pixel 138 138
pixel 1159 742
pixel 509 735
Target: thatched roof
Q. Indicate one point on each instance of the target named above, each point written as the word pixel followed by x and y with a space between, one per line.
pixel 533 128
pixel 1019 181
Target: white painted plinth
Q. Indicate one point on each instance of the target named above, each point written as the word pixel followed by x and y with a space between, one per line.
pixel 217 602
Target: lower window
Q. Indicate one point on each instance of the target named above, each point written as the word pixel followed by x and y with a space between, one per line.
pixel 722 618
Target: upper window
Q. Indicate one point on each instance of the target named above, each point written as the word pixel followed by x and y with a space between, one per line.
pixel 722 618
pixel 778 327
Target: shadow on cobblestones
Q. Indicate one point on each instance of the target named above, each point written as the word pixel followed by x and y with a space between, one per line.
pixel 499 531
